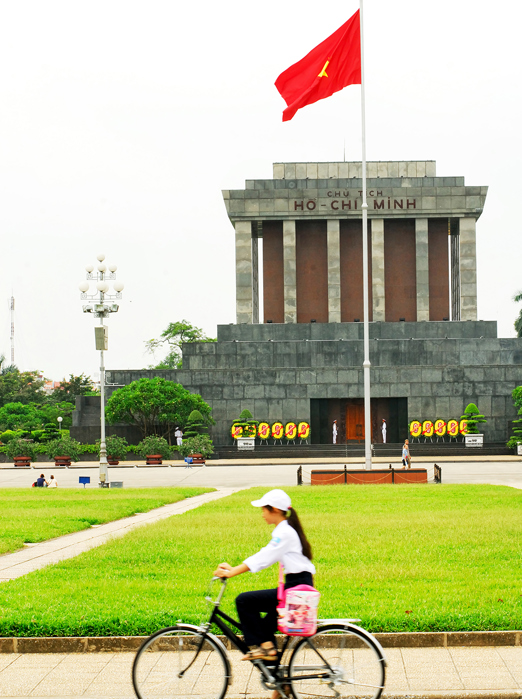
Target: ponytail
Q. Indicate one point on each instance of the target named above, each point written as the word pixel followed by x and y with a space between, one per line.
pixel 293 521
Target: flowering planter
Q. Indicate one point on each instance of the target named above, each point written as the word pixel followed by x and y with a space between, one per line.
pixel 62 461
pixel 154 460
pixel 197 459
pixel 24 461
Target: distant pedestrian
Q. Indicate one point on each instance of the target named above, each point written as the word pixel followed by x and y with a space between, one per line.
pixel 383 430
pixel 334 432
pixel 52 482
pixel 41 482
pixel 406 458
pixel 179 436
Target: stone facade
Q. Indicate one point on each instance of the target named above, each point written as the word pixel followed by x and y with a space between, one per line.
pixel 306 363
pixel 331 192
pixel 276 370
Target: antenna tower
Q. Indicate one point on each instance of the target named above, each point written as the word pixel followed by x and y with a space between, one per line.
pixel 12 309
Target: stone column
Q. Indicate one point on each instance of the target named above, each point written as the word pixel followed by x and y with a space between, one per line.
pixel 289 272
pixel 334 270
pixel 255 277
pixel 421 262
pixel 244 273
pixel 377 225
pixel 468 269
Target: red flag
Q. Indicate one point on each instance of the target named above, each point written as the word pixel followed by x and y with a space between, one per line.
pixel 332 65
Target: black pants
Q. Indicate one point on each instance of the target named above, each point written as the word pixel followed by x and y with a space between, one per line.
pixel 250 605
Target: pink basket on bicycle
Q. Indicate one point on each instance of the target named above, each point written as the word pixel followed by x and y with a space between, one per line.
pixel 297 608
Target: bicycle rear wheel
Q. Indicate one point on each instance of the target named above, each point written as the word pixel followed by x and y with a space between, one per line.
pixel 180 661
pixel 339 662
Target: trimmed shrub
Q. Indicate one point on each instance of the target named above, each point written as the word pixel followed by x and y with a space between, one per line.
pixel 201 444
pixel 195 425
pixel 116 447
pixel 64 447
pixel 154 445
pixel 474 418
pixel 20 447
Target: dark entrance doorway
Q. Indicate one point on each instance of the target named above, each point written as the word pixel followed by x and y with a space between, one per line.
pixel 349 413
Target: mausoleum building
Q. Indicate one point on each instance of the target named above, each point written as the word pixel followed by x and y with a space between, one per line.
pixel 296 350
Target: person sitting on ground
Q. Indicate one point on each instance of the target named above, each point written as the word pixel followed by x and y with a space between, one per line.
pixel 52 482
pixel 41 482
pixel 289 546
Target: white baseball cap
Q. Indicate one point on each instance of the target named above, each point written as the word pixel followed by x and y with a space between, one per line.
pixel 275 498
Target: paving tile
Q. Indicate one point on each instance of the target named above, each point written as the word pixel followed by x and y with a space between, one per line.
pixel 7 659
pixel 31 660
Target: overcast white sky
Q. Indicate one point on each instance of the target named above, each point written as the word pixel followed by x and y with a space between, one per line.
pixel 122 121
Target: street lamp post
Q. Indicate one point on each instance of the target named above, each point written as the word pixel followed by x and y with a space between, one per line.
pixel 60 420
pixel 101 310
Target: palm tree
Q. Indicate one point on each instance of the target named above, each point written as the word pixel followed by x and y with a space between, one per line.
pixel 6 368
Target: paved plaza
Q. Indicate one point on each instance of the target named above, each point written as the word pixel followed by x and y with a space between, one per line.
pixel 502 470
pixel 452 672
pixel 412 673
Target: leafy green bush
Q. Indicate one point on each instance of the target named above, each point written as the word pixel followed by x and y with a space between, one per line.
pixel 116 447
pixel 472 415
pixel 154 445
pixel 516 437
pixel 64 447
pixel 8 435
pixel 20 447
pixel 201 444
pixel 196 424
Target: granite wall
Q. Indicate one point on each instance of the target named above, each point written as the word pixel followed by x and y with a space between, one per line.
pixel 275 370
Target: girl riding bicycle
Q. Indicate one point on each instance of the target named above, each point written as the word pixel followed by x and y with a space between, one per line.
pixel 288 546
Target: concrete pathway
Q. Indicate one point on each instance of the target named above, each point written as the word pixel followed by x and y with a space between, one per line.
pixel 14 565
pixel 502 471
pixel 412 673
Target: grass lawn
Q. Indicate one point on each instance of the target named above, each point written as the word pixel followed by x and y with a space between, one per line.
pixel 400 558
pixel 30 516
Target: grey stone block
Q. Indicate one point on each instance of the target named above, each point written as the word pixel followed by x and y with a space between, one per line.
pixel 275 409
pixel 273 392
pixel 432 375
pixel 328 376
pixel 441 407
pixel 306 377
pixel 296 391
pixel 233 392
pixel 261 410
pixel 286 377
pixel 290 410
pixel 254 391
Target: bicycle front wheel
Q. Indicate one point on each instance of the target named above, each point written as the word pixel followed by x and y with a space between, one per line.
pixel 180 661
pixel 339 662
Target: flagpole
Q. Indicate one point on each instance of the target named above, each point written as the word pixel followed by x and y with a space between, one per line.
pixel 366 328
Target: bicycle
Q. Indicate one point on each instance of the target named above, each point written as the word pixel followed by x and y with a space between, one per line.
pixel 341 661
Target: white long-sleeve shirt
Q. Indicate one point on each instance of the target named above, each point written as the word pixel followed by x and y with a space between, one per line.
pixel 284 547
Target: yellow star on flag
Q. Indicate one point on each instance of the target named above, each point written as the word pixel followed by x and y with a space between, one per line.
pixel 323 73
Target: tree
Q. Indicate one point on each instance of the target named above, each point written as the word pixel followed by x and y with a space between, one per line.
pixel 518 322
pixel 17 416
pixel 196 424
pixel 516 437
pixel 52 411
pixel 155 406
pixel 174 336
pixel 68 390
pixel 20 387
pixel 473 417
